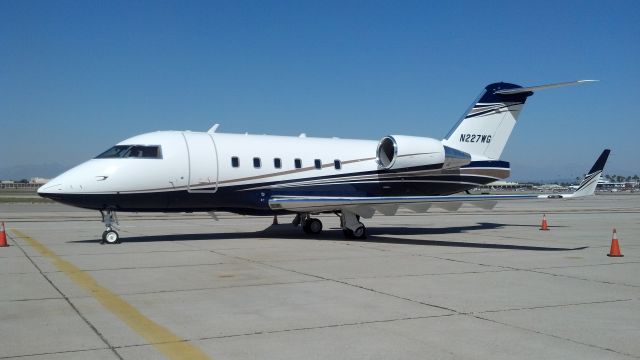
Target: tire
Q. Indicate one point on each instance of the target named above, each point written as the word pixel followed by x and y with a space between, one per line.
pixel 315 226
pixel 305 227
pixel 312 226
pixel 359 233
pixel 111 237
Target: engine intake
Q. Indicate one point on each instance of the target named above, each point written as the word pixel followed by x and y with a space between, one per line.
pixel 400 151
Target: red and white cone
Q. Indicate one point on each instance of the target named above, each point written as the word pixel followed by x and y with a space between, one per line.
pixel 544 226
pixel 3 236
pixel 615 247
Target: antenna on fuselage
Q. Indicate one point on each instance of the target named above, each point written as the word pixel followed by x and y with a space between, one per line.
pixel 213 128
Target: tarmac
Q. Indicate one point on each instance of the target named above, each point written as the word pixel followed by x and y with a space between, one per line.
pixel 471 284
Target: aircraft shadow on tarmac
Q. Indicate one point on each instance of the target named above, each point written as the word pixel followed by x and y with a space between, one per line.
pixel 381 235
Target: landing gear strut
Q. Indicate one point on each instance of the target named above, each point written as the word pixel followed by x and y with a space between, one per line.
pixel 109 236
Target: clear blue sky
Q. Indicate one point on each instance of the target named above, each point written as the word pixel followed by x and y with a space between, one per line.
pixel 79 76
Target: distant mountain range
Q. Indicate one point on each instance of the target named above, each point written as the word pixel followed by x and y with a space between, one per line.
pixel 18 172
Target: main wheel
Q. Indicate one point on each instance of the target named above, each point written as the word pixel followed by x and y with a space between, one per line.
pixel 359 233
pixel 111 237
pixel 312 226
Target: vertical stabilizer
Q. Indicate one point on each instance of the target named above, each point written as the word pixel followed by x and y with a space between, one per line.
pixel 590 181
pixel 486 127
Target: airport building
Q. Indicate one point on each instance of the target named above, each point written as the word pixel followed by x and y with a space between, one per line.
pixel 31 185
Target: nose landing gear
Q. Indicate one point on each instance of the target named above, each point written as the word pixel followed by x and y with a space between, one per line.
pixel 109 236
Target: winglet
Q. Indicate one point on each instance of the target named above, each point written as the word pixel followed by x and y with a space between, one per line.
pixel 588 185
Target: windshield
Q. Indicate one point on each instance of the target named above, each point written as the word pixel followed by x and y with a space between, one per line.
pixel 132 151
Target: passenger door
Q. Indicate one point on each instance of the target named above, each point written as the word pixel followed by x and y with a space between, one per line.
pixel 203 162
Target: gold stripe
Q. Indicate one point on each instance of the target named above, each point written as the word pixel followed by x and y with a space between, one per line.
pixel 287 172
pixel 169 344
pixel 498 173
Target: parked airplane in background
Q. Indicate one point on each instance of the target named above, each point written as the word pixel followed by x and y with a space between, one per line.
pixel 183 171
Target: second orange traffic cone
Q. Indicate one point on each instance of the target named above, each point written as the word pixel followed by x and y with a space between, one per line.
pixel 275 220
pixel 3 236
pixel 615 247
pixel 544 226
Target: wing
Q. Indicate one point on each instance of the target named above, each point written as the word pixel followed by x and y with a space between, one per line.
pixel 388 205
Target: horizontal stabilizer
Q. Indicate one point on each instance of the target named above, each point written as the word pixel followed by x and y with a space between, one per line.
pixel 540 87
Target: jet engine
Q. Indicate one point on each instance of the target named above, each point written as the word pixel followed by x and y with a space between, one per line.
pixel 399 151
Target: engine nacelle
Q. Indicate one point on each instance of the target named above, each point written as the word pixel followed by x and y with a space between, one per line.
pixel 399 151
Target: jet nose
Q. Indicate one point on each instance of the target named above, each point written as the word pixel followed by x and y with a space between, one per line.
pixel 59 185
pixel 50 188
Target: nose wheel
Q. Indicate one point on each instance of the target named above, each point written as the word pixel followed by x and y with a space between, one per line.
pixel 109 236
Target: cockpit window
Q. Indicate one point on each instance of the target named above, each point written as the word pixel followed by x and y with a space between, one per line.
pixel 132 151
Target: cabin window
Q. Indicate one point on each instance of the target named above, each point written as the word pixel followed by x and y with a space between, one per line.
pixel 256 162
pixel 277 163
pixel 317 163
pixel 337 164
pixel 297 163
pixel 235 162
pixel 132 151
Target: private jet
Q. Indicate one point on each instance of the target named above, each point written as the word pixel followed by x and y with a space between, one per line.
pixel 185 171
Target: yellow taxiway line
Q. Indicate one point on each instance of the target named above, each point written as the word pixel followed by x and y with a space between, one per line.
pixel 169 344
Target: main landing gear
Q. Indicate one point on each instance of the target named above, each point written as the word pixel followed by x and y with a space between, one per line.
pixel 309 225
pixel 349 222
pixel 109 236
pixel 352 228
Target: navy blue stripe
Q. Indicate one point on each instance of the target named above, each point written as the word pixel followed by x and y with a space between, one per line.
pixel 473 164
pixel 489 164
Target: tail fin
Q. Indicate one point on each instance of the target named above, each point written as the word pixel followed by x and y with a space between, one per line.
pixel 590 181
pixel 486 126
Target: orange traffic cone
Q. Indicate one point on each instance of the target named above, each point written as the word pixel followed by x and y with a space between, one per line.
pixel 615 247
pixel 544 225
pixel 275 220
pixel 3 236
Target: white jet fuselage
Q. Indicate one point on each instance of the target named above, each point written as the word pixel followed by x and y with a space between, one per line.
pixel 176 171
pixel 235 172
